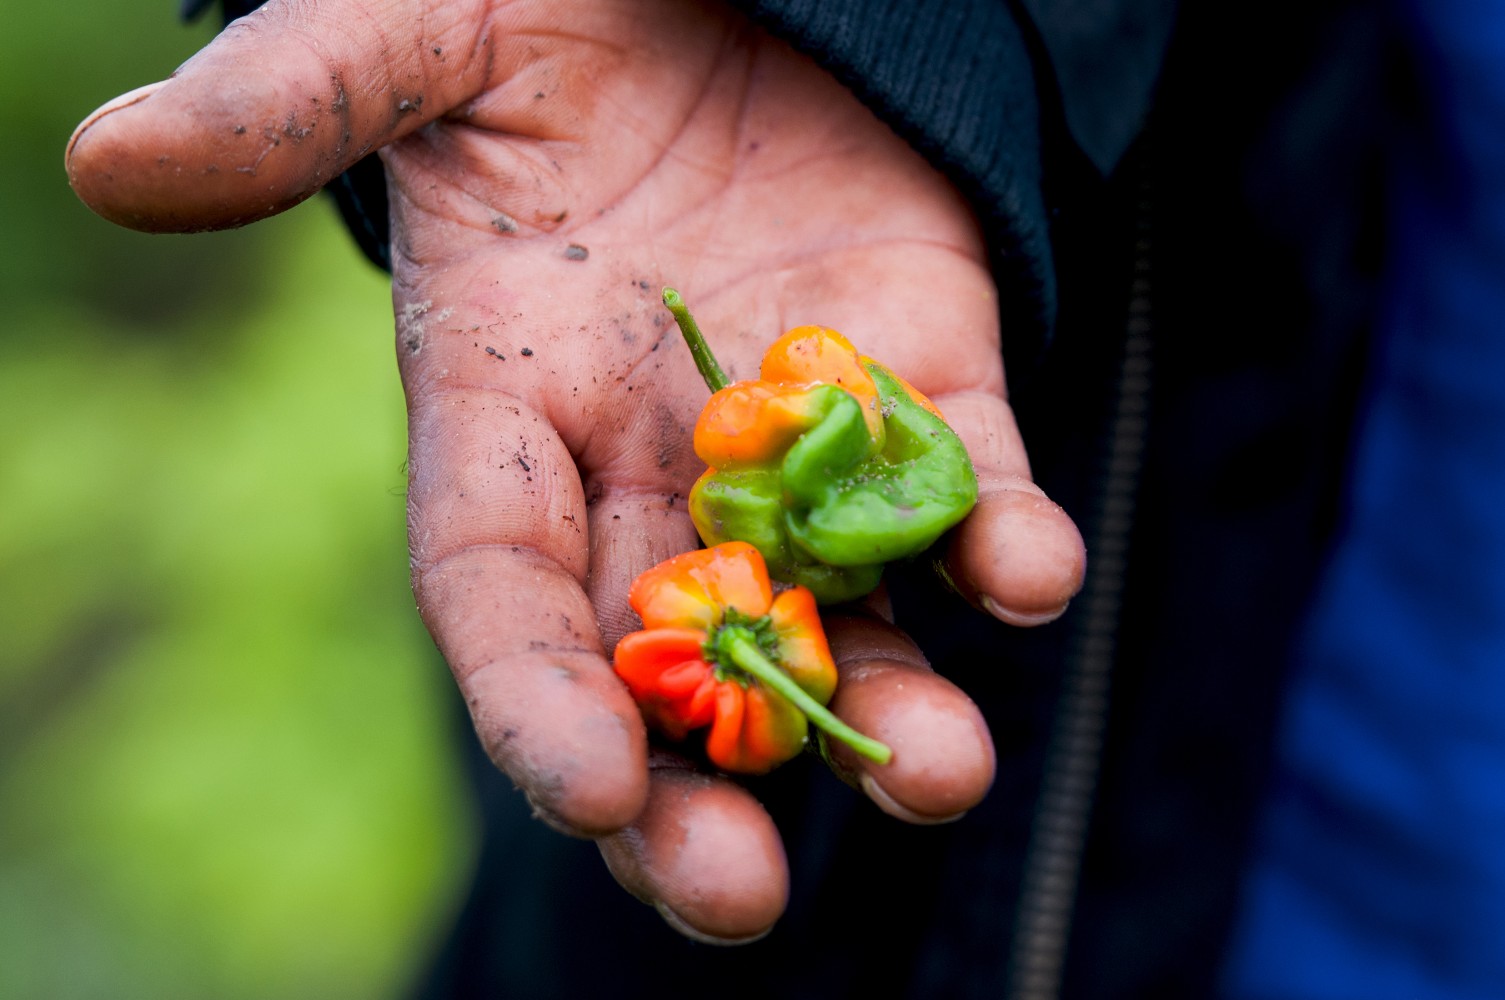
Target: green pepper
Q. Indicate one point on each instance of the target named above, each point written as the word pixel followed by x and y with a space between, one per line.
pixel 829 464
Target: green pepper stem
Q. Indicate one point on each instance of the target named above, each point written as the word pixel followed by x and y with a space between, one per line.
pixel 705 361
pixel 743 650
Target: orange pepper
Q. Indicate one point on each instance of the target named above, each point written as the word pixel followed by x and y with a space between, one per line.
pixel 755 421
pixel 828 462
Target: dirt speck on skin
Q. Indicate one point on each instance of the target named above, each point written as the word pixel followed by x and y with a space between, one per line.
pixel 411 325
pixel 295 130
pixel 576 252
pixel 670 433
pixel 504 223
pixel 527 352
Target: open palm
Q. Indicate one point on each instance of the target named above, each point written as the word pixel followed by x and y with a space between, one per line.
pixel 551 167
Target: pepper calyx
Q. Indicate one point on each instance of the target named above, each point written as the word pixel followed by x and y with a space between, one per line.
pixel 737 625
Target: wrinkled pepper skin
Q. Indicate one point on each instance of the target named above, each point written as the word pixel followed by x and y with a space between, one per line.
pixel 830 465
pixel 700 611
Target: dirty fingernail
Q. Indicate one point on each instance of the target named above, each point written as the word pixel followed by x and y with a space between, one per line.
pixel 890 805
pixel 123 101
pixel 678 923
pixel 1019 618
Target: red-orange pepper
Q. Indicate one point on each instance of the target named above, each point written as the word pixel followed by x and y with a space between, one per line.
pixel 719 648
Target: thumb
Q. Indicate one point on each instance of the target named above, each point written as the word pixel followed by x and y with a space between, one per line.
pixel 273 109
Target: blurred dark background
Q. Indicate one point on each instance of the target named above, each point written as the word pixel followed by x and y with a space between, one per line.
pixel 225 764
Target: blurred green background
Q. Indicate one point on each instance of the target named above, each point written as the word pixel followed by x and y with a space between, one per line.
pixel 227 762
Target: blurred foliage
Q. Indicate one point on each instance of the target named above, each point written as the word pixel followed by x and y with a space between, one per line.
pixel 226 752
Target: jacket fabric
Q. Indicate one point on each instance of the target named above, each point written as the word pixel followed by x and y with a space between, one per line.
pixel 1377 870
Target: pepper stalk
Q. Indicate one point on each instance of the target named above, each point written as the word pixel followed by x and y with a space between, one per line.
pixel 738 645
pixel 705 361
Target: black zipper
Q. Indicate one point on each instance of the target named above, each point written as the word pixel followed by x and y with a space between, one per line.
pixel 1058 837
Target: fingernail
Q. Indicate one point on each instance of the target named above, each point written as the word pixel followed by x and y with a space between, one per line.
pixel 886 802
pixel 1017 618
pixel 678 923
pixel 123 101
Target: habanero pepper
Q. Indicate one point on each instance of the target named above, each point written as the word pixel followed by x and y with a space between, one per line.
pixel 829 464
pixel 720 648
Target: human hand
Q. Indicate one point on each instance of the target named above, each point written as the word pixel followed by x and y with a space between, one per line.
pixel 551 166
